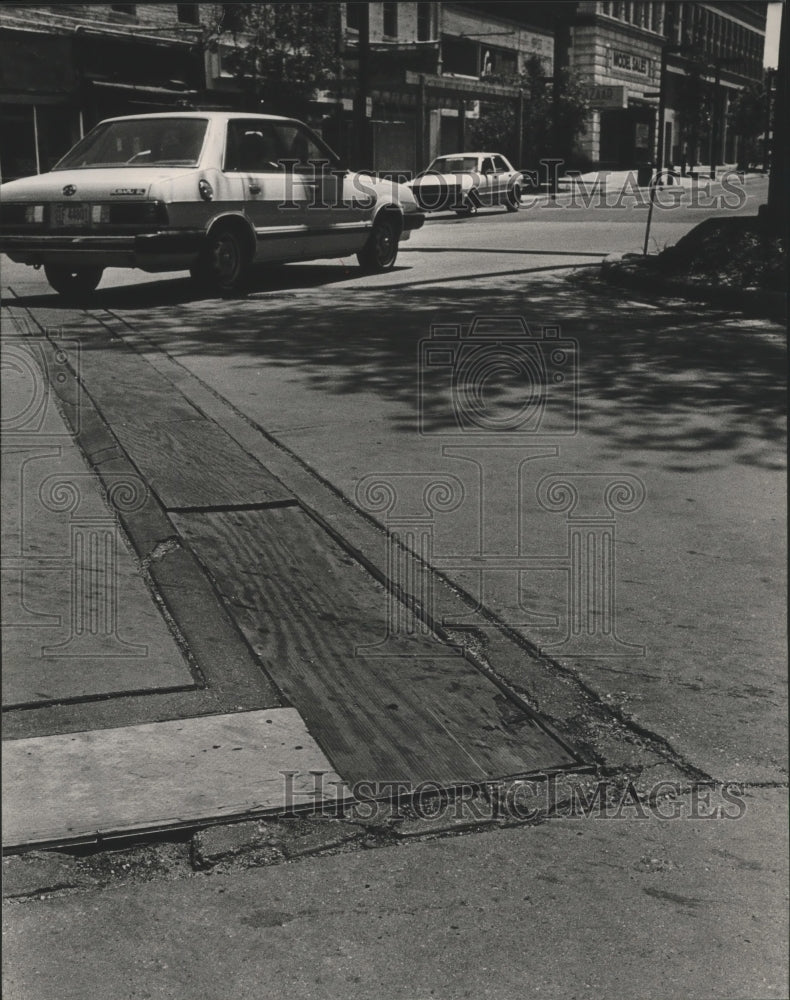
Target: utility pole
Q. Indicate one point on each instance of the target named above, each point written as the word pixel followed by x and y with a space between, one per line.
pixel 668 42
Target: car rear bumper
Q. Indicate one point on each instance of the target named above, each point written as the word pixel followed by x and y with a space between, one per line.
pixel 412 221
pixel 161 250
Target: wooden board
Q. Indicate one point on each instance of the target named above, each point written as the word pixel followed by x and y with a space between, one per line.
pixel 418 714
pixel 194 463
pixel 81 786
pixel 188 461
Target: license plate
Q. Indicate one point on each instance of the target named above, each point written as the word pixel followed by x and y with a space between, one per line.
pixel 74 215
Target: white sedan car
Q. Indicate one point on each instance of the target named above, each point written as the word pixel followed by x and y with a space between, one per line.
pixel 463 182
pixel 208 191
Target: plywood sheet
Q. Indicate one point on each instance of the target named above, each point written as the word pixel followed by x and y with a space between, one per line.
pixel 401 708
pixel 188 460
pixel 80 786
pixel 194 463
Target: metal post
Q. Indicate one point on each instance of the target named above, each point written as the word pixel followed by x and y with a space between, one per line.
pixel 461 127
pixel 519 131
pixel 714 124
pixel 35 140
pixel 662 101
pixel 420 125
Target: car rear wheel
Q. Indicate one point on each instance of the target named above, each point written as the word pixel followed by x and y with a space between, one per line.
pixel 470 205
pixel 513 200
pixel 223 263
pixel 381 249
pixel 73 282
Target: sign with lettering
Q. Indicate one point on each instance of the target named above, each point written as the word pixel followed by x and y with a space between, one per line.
pixel 630 61
pixel 608 97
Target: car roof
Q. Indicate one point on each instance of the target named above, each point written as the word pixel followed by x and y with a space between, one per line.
pixel 198 114
pixel 449 156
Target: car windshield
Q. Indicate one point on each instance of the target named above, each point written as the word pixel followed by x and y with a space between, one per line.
pixel 139 142
pixel 453 164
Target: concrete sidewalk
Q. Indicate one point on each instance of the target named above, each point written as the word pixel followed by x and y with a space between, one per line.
pixel 638 908
pixel 672 887
pixel 184 487
pixel 79 618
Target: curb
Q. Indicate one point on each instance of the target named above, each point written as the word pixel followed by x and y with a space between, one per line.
pixel 640 273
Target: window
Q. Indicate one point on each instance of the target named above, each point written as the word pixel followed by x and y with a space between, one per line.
pixel 124 8
pixel 232 18
pixel 188 13
pixel 488 165
pixel 390 12
pixel 460 55
pixel 500 165
pixel 353 16
pixel 142 142
pixel 424 27
pixel 255 147
pixel 605 8
pixel 453 164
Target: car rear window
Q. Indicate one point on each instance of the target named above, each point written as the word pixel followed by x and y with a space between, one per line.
pixel 453 164
pixel 139 142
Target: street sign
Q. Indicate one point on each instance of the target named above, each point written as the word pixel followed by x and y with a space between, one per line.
pixel 602 96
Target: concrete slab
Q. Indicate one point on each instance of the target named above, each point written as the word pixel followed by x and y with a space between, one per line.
pixel 79 621
pixel 82 786
pixel 585 908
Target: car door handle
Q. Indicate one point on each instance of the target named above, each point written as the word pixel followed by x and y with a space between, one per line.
pixel 255 188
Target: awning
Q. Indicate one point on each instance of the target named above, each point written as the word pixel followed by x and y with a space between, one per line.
pixel 144 88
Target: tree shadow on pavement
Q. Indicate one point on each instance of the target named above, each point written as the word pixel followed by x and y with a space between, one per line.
pixel 654 376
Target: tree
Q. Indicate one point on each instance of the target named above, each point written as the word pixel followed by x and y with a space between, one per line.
pixel 548 129
pixel 747 121
pixel 693 102
pixel 280 53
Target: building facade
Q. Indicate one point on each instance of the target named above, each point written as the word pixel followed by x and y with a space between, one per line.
pixel 430 66
pixel 64 67
pixel 711 51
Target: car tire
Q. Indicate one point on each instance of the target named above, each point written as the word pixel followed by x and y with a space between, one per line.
pixel 470 206
pixel 223 263
pixel 381 249
pixel 73 283
pixel 513 199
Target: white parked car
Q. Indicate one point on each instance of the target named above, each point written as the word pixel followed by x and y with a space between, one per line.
pixel 463 182
pixel 208 191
